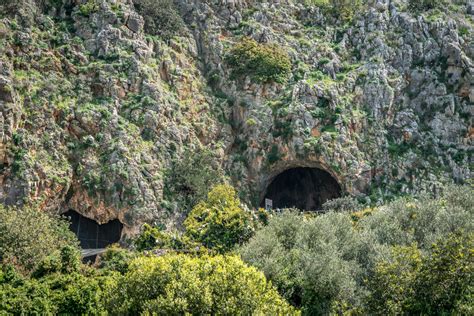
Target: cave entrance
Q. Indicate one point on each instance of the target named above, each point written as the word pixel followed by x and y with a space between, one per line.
pixel 92 235
pixel 303 188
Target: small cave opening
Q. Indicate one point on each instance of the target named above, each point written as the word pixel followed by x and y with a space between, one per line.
pixel 303 188
pixel 92 235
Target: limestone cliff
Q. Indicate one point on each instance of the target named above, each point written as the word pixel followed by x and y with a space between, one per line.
pixel 94 110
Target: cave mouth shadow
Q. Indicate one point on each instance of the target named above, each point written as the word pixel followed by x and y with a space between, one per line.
pixel 92 235
pixel 303 188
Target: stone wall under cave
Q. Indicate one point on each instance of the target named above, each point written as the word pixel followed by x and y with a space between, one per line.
pixel 303 188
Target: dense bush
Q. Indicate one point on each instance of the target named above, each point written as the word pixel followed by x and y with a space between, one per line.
pixel 28 235
pixel 57 293
pixel 153 238
pixel 314 262
pixel 422 220
pixel 343 204
pixel 410 282
pixel 423 5
pixel 161 17
pixel 27 10
pixel 150 238
pixel 180 284
pixel 345 9
pixel 323 263
pixel 191 176
pixel 219 222
pixel 116 259
pixel 261 62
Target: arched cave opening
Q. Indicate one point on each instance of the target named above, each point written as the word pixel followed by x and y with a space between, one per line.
pixel 302 188
pixel 92 235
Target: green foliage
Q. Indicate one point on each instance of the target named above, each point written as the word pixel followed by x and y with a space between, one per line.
pixel 445 281
pixel 28 236
pixel 437 283
pixel 72 293
pixel 161 17
pixel 345 9
pixel 322 263
pixel 261 62
pixel 343 204
pixel 424 5
pixel 313 262
pixel 219 222
pixel 116 259
pixel 190 177
pixel 67 260
pixel 391 284
pixel 150 238
pixel 274 155
pixel 423 220
pixel 180 284
pixel 91 6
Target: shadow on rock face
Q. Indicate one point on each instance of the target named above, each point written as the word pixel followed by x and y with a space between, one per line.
pixel 302 188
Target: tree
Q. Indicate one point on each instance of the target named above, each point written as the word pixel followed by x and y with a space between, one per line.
pixel 190 177
pixel 322 263
pixel 422 219
pixel 219 222
pixel 182 284
pixel 28 235
pixel 341 8
pixel 440 282
pixel 56 293
pixel 262 62
pixel 445 282
pixel 150 238
pixel 316 263
pixel 392 283
pixel 424 5
pixel 161 17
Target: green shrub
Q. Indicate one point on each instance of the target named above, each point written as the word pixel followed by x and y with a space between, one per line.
pixel 190 177
pixel 161 17
pixel 261 62
pixel 70 294
pixel 440 282
pixel 392 283
pixel 424 5
pixel 315 263
pixel 322 263
pixel 274 155
pixel 422 220
pixel 91 6
pixel 343 204
pixel 116 259
pixel 67 260
pixel 180 284
pixel 219 222
pixel 345 9
pixel 445 281
pixel 150 238
pixel 28 235
pixel 23 297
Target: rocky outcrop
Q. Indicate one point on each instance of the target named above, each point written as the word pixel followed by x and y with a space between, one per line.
pixel 93 110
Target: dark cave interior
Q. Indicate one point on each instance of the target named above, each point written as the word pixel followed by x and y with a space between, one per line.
pixel 303 188
pixel 91 234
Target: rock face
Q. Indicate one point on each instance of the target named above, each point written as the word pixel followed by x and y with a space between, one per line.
pixel 93 110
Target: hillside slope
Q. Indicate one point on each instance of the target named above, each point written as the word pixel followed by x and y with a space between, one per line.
pixel 98 104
